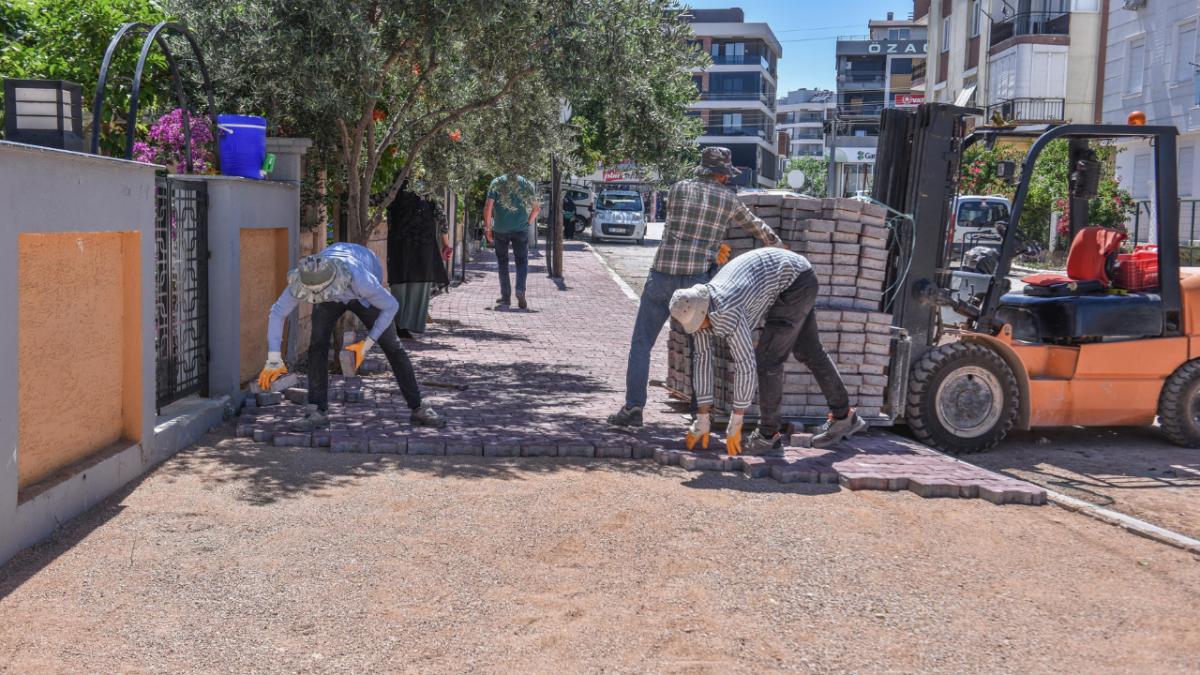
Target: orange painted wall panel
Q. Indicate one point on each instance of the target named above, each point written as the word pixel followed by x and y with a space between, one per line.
pixel 264 268
pixel 79 345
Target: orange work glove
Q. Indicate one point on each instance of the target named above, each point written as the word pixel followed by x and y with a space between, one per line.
pixel 733 434
pixel 360 350
pixel 273 369
pixel 723 254
pixel 699 431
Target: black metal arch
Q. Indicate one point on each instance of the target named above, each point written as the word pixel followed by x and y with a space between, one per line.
pixel 153 36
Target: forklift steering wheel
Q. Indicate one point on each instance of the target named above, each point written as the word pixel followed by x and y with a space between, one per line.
pixel 1031 247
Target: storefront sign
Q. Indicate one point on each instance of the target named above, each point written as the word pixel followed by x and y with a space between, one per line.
pixel 909 99
pixel 898 47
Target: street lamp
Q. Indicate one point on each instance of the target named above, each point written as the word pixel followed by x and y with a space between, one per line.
pixel 48 113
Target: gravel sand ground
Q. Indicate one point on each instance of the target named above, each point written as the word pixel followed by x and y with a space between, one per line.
pixel 234 557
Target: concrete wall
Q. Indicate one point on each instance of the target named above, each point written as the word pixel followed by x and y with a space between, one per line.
pixel 236 206
pixel 78 322
pixel 264 266
pixel 77 373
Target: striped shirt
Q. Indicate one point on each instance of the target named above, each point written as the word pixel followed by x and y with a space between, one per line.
pixel 698 213
pixel 738 300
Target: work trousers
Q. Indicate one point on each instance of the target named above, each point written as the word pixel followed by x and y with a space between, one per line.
pixel 324 317
pixel 653 312
pixel 520 248
pixel 791 328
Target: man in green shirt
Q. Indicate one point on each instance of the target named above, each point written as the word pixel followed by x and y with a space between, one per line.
pixel 512 200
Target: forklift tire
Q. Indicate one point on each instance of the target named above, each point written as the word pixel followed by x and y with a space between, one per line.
pixel 962 398
pixel 1179 405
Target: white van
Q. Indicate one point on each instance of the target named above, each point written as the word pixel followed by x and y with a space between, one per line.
pixel 974 221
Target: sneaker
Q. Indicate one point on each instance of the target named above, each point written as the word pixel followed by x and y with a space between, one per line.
pixel 314 418
pixel 838 430
pixel 759 446
pixel 503 301
pixel 426 417
pixel 521 304
pixel 627 417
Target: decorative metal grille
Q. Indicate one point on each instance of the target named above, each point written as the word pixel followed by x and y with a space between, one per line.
pixel 181 289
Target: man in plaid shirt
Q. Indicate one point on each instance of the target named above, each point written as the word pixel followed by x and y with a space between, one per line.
pixel 698 212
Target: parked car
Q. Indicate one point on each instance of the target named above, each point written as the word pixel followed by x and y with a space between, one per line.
pixel 619 215
pixel 580 194
pixel 973 222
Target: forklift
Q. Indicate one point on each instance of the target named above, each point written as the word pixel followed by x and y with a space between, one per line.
pixel 1066 350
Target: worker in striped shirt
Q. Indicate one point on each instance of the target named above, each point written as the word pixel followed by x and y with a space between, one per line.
pixel 781 287
pixel 698 213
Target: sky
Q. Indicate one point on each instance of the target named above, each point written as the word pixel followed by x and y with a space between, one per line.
pixel 807 28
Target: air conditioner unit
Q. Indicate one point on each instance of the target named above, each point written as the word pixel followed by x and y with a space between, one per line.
pixel 1134 4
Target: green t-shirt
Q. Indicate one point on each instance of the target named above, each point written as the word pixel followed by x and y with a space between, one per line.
pixel 512 204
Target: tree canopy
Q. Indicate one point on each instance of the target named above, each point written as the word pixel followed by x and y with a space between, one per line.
pixel 456 86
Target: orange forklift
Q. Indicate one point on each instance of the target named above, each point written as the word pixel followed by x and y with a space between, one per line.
pixel 1114 342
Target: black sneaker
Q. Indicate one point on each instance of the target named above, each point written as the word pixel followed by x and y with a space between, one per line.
pixel 759 446
pixel 521 304
pixel 834 431
pixel 503 301
pixel 627 417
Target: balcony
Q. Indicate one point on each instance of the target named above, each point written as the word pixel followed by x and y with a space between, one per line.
pixel 766 98
pixel 744 60
pixel 1031 23
pixel 807 134
pixel 860 109
pixel 763 131
pixel 808 151
pixel 1028 109
pixel 866 79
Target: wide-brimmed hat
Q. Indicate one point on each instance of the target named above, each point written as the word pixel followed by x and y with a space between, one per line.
pixel 319 279
pixel 716 161
pixel 689 306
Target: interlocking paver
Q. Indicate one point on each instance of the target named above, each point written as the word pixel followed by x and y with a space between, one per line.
pixel 541 383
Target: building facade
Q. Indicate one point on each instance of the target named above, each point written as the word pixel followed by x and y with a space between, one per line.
pixel 738 92
pixel 1150 67
pixel 874 72
pixel 1023 59
pixel 802 115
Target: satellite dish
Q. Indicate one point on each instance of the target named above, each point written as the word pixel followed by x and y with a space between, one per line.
pixel 796 178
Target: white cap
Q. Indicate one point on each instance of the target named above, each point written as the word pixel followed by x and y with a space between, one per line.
pixel 689 306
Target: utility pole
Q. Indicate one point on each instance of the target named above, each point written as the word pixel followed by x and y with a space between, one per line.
pixel 831 179
pixel 554 229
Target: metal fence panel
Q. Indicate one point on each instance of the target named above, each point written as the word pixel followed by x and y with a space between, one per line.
pixel 181 289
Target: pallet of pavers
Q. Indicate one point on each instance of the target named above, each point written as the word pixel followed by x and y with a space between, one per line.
pixel 846 242
pixel 875 460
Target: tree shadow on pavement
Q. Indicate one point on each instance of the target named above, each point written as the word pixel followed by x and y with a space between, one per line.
pixel 718 480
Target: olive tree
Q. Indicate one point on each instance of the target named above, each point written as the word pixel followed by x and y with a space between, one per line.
pixel 383 86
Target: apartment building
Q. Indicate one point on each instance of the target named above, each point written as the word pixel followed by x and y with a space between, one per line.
pixel 874 71
pixel 738 92
pixel 801 115
pixel 1150 67
pixel 1025 59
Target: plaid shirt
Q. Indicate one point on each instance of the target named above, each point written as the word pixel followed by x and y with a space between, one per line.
pixel 698 211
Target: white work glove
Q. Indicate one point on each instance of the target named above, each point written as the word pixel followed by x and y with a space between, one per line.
pixel 699 431
pixel 271 371
pixel 733 434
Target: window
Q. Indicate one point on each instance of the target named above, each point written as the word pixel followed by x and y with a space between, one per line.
pixel 898 33
pixel 945 36
pixel 976 18
pixel 732 123
pixel 1086 6
pixel 1142 170
pixel 1187 165
pixel 1135 75
pixel 1185 52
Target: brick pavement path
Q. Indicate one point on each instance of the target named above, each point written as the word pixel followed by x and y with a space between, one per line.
pixel 542 381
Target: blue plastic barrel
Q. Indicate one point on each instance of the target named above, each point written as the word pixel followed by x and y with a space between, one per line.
pixel 243 145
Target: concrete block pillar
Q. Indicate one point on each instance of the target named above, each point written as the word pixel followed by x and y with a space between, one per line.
pixel 288 153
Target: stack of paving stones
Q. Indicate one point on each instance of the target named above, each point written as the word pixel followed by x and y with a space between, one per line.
pixel 876 461
pixel 845 240
pixel 541 383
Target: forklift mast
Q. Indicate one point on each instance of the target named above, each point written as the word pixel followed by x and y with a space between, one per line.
pixel 916 173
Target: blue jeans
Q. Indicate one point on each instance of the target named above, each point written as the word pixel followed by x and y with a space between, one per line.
pixel 653 312
pixel 520 247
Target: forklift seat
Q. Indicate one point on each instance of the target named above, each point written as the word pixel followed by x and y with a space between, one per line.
pixel 1093 253
pixel 1057 319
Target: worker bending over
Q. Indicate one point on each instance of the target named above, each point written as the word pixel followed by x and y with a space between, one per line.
pixel 698 213
pixel 342 278
pixel 781 286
